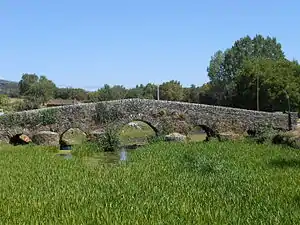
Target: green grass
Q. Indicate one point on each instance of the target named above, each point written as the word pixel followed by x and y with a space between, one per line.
pixel 164 183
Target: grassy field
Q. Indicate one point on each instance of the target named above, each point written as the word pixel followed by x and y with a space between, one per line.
pixel 163 183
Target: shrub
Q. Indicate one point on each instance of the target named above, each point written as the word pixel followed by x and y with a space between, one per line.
pixel 27 104
pixel 287 138
pixel 155 139
pixel 265 135
pixel 110 140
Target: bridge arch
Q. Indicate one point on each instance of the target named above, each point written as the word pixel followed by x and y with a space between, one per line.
pixel 17 139
pixel 209 126
pixel 201 133
pixel 153 124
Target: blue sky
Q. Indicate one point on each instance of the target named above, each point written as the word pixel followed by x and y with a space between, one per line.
pixel 89 43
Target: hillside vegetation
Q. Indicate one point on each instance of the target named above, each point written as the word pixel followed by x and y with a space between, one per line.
pixel 9 88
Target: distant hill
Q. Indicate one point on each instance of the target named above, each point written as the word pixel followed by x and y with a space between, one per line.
pixel 9 88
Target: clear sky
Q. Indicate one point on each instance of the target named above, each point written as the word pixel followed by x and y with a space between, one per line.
pixel 89 43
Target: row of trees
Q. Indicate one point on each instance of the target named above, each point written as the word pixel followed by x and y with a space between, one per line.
pixel 253 74
pixel 38 90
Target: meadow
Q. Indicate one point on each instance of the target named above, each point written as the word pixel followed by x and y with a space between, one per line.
pixel 161 183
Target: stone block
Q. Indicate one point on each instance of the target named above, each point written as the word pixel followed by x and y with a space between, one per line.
pixel 175 137
pixel 47 138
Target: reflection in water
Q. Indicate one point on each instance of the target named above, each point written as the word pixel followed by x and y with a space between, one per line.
pixel 65 147
pixel 104 157
pixel 123 155
pixel 66 156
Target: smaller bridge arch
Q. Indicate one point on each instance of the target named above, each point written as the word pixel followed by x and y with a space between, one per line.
pixel 153 124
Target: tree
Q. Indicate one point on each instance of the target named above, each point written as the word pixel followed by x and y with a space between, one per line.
pixel 171 91
pixel 136 92
pixel 191 94
pixel 246 49
pixel 26 82
pixel 224 67
pixel 71 93
pixel 215 70
pixel 276 77
pixel 37 89
pixel 108 93
pixel 118 92
pixel 150 91
pixel 43 90
pixel 207 94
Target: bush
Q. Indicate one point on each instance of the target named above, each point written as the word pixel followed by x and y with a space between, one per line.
pixel 288 138
pixel 155 139
pixel 27 104
pixel 265 135
pixel 110 140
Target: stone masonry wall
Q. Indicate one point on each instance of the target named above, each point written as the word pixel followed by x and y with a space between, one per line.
pixel 162 116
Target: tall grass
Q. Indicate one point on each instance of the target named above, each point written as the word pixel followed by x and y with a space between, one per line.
pixel 164 183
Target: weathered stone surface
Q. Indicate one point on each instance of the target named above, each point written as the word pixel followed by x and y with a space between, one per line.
pixel 73 136
pixel 176 116
pixel 175 137
pixel 290 138
pixel 230 136
pixel 46 138
pixel 95 135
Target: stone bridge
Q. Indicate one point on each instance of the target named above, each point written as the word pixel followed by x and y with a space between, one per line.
pixel 162 116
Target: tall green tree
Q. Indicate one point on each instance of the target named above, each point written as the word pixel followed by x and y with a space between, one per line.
pixel 277 79
pixel 248 48
pixel 224 67
pixel 26 82
pixel 171 91
pixel 150 91
pixel 43 90
pixel 215 70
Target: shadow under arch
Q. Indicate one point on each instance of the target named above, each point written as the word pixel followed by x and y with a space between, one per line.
pixel 201 133
pixel 17 140
pixel 210 132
